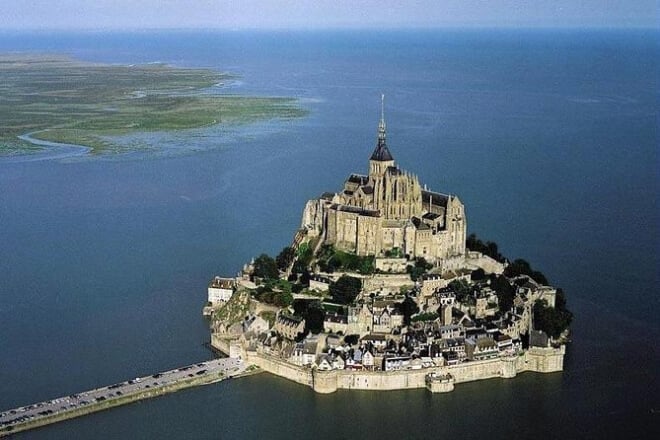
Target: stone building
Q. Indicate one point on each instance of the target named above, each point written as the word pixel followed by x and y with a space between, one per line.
pixel 288 326
pixel 220 289
pixel 388 211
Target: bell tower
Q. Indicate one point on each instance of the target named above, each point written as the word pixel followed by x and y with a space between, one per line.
pixel 381 158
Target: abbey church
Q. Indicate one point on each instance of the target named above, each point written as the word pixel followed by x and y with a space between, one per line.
pixel 388 212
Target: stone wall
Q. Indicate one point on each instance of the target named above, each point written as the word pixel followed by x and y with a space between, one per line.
pixel 390 284
pixel 545 360
pixel 540 360
pixel 394 265
pixel 479 260
pixel 279 367
pixel 429 285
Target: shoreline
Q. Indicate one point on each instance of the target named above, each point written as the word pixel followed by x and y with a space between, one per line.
pixel 56 150
pixel 536 359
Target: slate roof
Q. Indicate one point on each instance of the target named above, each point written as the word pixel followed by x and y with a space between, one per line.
pixel 437 199
pixel 394 171
pixel 419 224
pixel 355 209
pixel 381 153
pixel 430 216
pixel 358 178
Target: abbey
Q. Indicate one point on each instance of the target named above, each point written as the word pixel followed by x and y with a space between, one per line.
pixel 388 212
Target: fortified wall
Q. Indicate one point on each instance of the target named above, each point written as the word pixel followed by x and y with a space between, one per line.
pixel 539 360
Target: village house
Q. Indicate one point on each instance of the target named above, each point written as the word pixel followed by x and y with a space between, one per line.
pixel 220 290
pixel 391 363
pixel 288 326
pixel 324 362
pixel 481 348
pixel 310 350
pixel 368 360
pixel 319 283
pixel 378 341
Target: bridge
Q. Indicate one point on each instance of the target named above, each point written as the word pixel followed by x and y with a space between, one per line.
pixel 79 404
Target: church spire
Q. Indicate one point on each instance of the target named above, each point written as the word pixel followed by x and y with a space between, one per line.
pixel 381 125
pixel 382 153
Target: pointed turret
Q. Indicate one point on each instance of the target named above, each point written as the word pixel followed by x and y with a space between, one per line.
pixel 381 158
pixel 382 153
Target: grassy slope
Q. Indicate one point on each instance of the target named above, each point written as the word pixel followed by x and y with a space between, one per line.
pixel 234 310
pixel 68 101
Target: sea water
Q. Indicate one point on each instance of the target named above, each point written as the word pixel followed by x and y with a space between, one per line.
pixel 550 139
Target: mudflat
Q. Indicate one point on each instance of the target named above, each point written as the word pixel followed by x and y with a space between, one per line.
pixel 59 99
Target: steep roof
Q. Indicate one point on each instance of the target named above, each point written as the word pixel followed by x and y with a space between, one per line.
pixel 355 210
pixel 419 225
pixel 359 179
pixel 381 153
pixel 437 199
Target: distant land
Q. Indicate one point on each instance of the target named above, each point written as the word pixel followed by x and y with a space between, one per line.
pixel 59 99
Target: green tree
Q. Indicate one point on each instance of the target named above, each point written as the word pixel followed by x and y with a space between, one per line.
pixel 420 268
pixel 265 267
pixel 504 290
pixel 408 308
pixel 560 300
pixel 522 267
pixel 314 319
pixel 285 258
pixel 425 317
pixel 304 277
pixel 462 290
pixel 351 339
pixel 478 275
pixel 489 248
pixel 282 299
pixel 305 254
pixel 345 289
pixel 551 320
pixel 366 266
pixel 422 263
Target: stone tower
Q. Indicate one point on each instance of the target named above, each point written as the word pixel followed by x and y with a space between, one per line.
pixel 397 195
pixel 381 159
pixel 387 209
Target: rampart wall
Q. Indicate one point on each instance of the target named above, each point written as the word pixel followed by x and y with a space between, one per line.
pixel 540 360
pixel 387 283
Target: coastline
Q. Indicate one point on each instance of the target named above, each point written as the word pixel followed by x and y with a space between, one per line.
pixel 536 359
pixel 56 150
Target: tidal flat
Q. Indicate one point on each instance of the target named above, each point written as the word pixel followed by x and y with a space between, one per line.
pixel 59 99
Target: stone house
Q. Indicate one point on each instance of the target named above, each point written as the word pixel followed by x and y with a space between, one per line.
pixel 338 362
pixel 480 349
pixel 310 351
pixel 378 341
pixel 391 363
pixel 288 326
pixel 324 362
pixel 220 290
pixel 319 283
pixel 368 359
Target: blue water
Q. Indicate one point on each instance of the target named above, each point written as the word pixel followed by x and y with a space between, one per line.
pixel 550 138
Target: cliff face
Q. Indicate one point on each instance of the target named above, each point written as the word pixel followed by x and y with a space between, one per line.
pixel 312 218
pixel 232 312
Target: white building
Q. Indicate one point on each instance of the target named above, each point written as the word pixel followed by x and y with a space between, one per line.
pixel 220 290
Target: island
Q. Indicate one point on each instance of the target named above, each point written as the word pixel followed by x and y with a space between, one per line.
pixel 382 289
pixel 48 100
